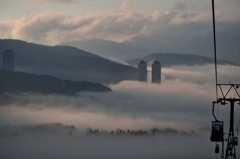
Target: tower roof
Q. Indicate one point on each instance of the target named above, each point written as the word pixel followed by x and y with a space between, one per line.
pixel 142 62
pixel 156 62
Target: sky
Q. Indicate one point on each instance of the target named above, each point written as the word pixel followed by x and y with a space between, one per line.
pixel 180 26
pixel 55 21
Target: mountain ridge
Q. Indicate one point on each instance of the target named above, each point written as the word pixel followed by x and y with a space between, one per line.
pixel 176 59
pixel 19 82
pixel 66 62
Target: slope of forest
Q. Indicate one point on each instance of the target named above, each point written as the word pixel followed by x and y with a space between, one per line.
pixel 18 82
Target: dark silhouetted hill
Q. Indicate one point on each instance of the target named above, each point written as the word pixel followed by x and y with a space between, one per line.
pixel 66 62
pixel 18 82
pixel 174 59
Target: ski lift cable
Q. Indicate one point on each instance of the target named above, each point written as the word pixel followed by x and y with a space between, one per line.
pixel 213 112
pixel 215 51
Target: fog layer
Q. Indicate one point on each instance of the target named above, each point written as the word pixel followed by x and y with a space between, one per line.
pixel 182 101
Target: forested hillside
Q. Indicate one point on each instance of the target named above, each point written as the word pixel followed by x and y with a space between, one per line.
pixel 18 82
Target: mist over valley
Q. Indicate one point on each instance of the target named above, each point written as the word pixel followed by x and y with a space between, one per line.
pixel 122 79
pixel 131 105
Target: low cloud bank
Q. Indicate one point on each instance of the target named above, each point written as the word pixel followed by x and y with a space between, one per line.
pixel 105 148
pixel 182 102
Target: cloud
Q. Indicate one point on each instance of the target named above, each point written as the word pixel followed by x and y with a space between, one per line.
pixel 6 29
pixel 191 33
pixel 226 1
pixel 2 3
pixel 53 1
pixel 52 27
pixel 182 102
pixel 184 5
pixel 176 30
pixel 125 4
pixel 107 148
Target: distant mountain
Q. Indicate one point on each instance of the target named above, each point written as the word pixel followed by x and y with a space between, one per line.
pixel 18 82
pixel 179 40
pixel 174 59
pixel 66 62
pixel 141 45
pixel 107 49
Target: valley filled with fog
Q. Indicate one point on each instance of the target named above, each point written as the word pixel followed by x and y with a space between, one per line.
pixel 182 102
pixel 70 73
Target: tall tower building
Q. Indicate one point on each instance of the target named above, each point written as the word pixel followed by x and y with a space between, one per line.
pixel 142 71
pixel 156 72
pixel 8 60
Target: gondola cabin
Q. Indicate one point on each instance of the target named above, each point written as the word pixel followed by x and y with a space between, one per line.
pixel 217 131
pixel 235 141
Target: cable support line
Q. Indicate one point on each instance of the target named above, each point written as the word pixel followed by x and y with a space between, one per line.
pixel 215 51
pixel 232 87
pixel 215 46
pixel 213 111
pixel 225 97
